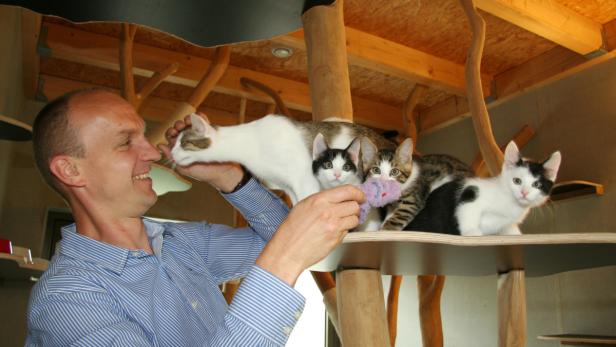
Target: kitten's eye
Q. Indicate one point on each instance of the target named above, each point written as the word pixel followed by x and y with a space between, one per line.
pixel 328 165
pixel 375 171
pixel 394 172
pixel 536 184
pixel 346 167
pixel 517 181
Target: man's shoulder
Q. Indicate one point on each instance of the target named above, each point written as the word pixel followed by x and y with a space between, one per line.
pixel 66 276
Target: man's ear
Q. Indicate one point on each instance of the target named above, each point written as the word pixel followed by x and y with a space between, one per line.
pixel 66 170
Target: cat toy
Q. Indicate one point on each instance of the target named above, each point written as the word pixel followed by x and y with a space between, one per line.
pixel 379 192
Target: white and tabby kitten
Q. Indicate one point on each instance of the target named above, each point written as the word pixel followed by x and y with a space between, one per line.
pixel 276 149
pixel 487 206
pixel 418 175
pixel 334 167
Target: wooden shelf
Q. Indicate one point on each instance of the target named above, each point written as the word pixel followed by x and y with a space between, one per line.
pixel 14 130
pixel 20 266
pixel 413 253
pixel 586 340
pixel 573 189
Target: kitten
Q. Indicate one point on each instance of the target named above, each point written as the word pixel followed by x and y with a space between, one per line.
pixel 276 149
pixel 334 167
pixel 487 206
pixel 418 176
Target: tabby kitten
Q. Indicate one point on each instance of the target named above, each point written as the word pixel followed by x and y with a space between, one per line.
pixel 418 176
pixel 487 206
pixel 334 167
pixel 276 149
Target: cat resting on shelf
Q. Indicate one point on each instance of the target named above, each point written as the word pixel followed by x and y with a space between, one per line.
pixel 488 206
pixel 276 149
pixel 333 166
pixel 418 175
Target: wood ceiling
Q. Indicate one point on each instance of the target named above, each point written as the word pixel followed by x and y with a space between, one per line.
pixel 392 45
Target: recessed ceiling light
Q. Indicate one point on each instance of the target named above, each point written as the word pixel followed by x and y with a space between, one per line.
pixel 282 52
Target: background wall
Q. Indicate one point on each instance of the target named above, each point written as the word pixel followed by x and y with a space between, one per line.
pixel 577 116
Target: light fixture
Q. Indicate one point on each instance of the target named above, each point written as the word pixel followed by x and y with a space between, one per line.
pixel 282 52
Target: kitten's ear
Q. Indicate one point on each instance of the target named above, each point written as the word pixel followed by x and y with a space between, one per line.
pixel 200 126
pixel 551 166
pixel 368 151
pixel 512 155
pixel 353 150
pixel 318 146
pixel 404 152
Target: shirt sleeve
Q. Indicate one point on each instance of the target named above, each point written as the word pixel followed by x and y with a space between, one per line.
pixel 263 210
pixel 263 312
pixel 229 252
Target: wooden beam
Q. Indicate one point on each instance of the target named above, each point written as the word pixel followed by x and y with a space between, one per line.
pixel 30 29
pixel 609 29
pixel 391 58
pixel 550 20
pixel 154 109
pixel 544 66
pixel 454 110
pixel 102 51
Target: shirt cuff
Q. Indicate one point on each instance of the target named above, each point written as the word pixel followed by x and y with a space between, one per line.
pixel 252 199
pixel 268 305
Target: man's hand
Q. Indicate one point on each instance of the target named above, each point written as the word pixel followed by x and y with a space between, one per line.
pixel 223 176
pixel 314 227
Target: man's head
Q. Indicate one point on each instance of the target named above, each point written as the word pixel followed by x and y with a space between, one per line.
pixel 89 146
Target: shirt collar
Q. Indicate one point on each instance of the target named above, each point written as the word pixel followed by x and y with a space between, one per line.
pixel 104 254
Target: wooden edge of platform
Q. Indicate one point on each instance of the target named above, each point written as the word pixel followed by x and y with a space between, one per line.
pixel 496 240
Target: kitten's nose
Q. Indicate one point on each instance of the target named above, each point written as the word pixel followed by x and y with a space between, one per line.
pixel 337 174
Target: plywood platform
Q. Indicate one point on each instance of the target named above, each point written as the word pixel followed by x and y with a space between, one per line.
pixel 413 253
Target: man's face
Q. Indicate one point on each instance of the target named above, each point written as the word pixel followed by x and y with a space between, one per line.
pixel 117 157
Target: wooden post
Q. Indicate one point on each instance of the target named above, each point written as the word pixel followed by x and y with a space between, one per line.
pixel 361 308
pixel 328 72
pixel 511 309
pixel 409 117
pixel 429 289
pixel 392 307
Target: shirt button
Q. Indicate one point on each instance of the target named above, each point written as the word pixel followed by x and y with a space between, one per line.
pixel 287 330
pixel 194 304
pixel 297 314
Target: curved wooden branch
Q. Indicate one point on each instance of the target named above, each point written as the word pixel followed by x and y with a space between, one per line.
pixel 126 62
pixel 429 290
pixel 207 83
pixel 409 116
pixel 242 115
pixel 154 81
pixel 521 138
pixel 490 151
pixel 214 73
pixel 250 83
pixel 392 307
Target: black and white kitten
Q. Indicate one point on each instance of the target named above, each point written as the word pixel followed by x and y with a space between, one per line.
pixel 276 149
pixel 488 206
pixel 333 166
pixel 418 175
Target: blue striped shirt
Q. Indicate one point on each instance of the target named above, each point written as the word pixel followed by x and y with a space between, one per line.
pixel 97 294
